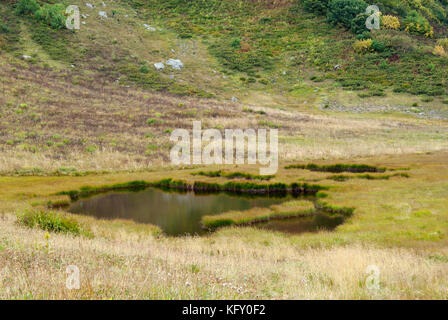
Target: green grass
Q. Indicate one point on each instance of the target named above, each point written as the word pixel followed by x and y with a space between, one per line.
pixel 52 222
pixel 233 175
pixel 367 176
pixel 297 208
pixel 337 168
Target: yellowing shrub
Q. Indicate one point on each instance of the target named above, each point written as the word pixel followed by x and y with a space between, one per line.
pixel 443 43
pixel 390 22
pixel 362 45
pixel 439 51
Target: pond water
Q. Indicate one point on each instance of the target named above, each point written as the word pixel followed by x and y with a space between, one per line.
pixel 180 213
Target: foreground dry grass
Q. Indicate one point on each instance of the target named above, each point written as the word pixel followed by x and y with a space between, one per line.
pixel 400 226
pixel 232 264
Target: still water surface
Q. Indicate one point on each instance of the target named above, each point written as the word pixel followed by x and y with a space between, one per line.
pixel 180 213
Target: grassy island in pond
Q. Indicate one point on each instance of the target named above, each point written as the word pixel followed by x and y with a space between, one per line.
pixel 290 209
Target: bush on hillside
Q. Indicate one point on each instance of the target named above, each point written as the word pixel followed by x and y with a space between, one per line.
pixel 390 22
pixel 443 43
pixel 361 46
pixel 25 7
pixel 417 24
pixel 439 51
pixel 344 11
pixel 358 25
pixel 378 46
pixel 316 6
pixel 53 15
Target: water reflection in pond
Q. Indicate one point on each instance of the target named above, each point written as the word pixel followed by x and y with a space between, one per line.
pixel 314 223
pixel 180 213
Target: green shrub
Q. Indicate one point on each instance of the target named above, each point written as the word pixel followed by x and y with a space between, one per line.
pixel 364 36
pixel 344 11
pixel 358 25
pixel 316 6
pixel 378 46
pixel 52 221
pixel 417 24
pixel 25 7
pixel 4 28
pixel 144 69
pixel 53 15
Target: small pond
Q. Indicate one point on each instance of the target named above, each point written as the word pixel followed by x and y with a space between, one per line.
pixel 180 213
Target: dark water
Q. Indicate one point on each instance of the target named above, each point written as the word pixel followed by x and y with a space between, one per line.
pixel 181 213
pixel 313 223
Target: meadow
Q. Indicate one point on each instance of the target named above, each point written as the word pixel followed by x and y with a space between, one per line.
pixel 362 123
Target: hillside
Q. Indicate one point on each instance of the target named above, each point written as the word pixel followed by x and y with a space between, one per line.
pixel 356 210
pixel 92 99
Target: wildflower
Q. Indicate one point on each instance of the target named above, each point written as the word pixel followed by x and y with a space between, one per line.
pixel 47 236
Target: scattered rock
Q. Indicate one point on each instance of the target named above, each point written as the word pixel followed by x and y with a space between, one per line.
pixel 84 16
pixel 102 14
pixel 171 76
pixel 25 57
pixel 234 99
pixel 103 4
pixel 284 73
pixel 89 5
pixel 175 64
pixel 337 67
pixel 159 66
pixel 148 27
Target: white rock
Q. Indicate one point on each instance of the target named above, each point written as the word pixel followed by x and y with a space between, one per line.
pixel 175 64
pixel 102 14
pixel 89 5
pixel 159 66
pixel 148 27
pixel 25 57
pixel 84 16
pixel 234 99
pixel 103 4
pixel 83 22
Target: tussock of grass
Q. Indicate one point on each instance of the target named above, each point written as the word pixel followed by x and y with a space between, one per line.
pixel 233 175
pixel 367 176
pixel 53 222
pixel 289 209
pixel 59 201
pixel 88 191
pixel 240 187
pixel 337 168
pixel 334 210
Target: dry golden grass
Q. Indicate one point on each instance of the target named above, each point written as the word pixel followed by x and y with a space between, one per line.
pixel 237 263
pixel 399 226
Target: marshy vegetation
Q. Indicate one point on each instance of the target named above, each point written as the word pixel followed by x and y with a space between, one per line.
pixel 367 176
pixel 233 175
pixel 289 209
pixel 53 221
pixel 337 168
